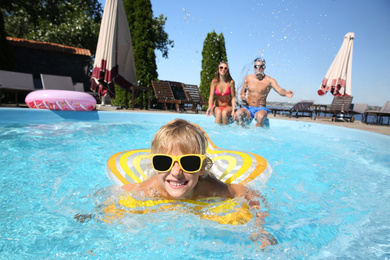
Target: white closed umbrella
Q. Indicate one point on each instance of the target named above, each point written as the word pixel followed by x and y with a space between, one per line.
pixel 114 59
pixel 338 77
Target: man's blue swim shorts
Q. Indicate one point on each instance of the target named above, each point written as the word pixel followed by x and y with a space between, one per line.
pixel 254 110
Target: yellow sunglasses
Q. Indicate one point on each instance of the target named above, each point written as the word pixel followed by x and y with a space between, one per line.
pixel 188 162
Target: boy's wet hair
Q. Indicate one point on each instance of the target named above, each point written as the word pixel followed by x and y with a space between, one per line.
pixel 258 59
pixel 180 133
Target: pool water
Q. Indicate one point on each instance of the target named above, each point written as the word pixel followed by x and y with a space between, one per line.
pixel 328 195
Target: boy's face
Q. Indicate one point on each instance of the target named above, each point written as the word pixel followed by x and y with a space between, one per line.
pixel 178 183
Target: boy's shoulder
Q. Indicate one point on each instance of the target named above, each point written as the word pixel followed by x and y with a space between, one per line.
pixel 237 190
pixel 222 189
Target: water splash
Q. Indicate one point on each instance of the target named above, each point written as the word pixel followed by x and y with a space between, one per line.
pixel 188 15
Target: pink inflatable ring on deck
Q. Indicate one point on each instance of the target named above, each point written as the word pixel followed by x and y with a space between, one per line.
pixel 60 100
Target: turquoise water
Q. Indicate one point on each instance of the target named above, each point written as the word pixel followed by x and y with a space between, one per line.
pixel 328 195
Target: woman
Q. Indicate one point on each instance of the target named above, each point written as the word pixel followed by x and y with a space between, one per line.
pixel 222 86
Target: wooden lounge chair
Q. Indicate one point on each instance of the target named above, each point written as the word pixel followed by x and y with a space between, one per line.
pixel 16 82
pixel 57 82
pixel 300 107
pixel 163 92
pixel 338 109
pixel 180 93
pixel 194 95
pixel 379 115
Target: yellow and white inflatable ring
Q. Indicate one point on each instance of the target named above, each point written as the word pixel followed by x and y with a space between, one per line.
pixel 229 166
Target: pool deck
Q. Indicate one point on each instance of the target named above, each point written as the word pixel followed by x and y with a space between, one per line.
pixel 380 129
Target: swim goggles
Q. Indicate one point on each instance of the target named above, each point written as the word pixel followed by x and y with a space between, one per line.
pixel 259 66
pixel 190 163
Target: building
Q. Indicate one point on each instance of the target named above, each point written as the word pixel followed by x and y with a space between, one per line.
pixel 49 58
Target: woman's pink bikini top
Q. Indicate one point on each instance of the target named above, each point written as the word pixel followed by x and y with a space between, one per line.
pixel 218 93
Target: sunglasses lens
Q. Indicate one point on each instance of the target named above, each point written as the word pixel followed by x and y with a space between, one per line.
pixel 190 163
pixel 161 163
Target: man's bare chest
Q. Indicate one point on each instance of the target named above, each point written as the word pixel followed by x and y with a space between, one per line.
pixel 259 87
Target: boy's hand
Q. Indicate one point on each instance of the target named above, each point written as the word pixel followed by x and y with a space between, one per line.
pixel 264 238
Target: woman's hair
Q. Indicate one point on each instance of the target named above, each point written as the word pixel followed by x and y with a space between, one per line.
pixel 227 75
pixel 183 135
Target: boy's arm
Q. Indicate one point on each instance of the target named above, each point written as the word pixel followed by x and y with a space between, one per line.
pixel 129 187
pixel 260 234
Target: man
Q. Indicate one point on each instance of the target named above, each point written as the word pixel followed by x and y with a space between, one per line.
pixel 258 85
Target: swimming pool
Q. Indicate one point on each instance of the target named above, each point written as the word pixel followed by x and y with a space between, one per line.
pixel 328 195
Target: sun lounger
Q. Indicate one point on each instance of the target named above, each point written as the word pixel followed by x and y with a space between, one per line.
pixel 339 109
pixel 16 82
pixel 379 115
pixel 57 82
pixel 300 107
pixel 163 92
pixel 180 92
pixel 80 87
pixel 194 95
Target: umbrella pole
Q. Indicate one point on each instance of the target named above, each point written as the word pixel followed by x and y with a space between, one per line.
pixel 127 102
pixel 132 97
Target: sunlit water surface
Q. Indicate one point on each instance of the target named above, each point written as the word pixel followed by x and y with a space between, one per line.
pixel 328 194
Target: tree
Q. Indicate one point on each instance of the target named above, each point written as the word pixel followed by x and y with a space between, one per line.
pixel 141 29
pixel 69 22
pixel 147 35
pixel 160 38
pixel 6 62
pixel 213 53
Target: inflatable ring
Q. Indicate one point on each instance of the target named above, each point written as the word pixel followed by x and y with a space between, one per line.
pixel 232 166
pixel 229 211
pixel 60 100
pixel 229 166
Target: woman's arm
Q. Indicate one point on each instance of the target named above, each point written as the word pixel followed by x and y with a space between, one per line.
pixel 233 95
pixel 211 99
